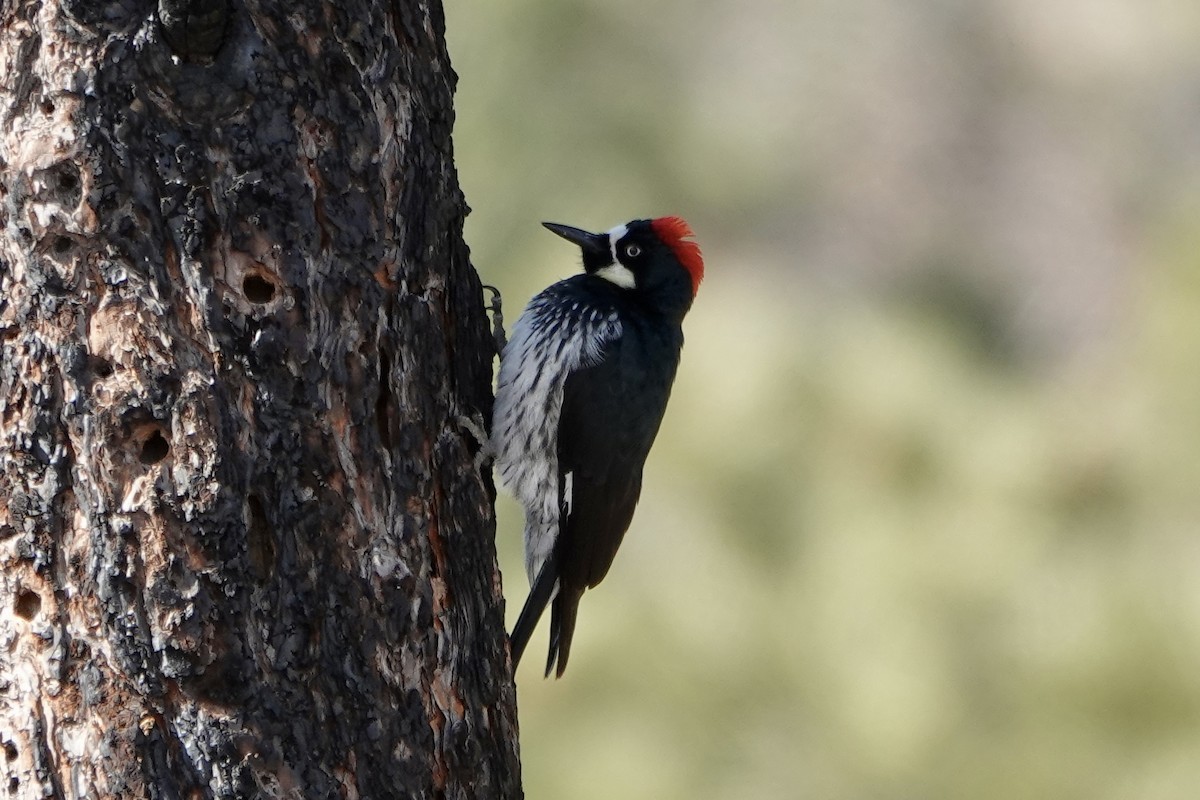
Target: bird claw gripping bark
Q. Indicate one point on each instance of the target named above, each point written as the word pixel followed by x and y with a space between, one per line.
pixel 494 306
pixel 473 425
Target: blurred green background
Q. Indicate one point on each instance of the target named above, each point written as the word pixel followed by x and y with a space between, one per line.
pixel 923 520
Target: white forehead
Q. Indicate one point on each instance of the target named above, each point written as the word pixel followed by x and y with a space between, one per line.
pixel 615 235
pixel 617 272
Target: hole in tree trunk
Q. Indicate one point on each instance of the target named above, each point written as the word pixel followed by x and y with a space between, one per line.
pixel 63 183
pixel 258 289
pixel 154 449
pixel 28 604
pixel 100 367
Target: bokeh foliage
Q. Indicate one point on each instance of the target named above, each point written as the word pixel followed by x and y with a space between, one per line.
pixel 924 519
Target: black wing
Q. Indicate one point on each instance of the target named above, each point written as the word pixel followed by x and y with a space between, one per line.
pixel 531 612
pixel 611 413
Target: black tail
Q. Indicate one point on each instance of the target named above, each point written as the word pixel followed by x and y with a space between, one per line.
pixel 535 604
pixel 562 628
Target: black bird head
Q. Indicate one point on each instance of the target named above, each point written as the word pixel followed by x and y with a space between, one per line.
pixel 656 257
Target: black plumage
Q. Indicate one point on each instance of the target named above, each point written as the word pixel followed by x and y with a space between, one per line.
pixel 583 389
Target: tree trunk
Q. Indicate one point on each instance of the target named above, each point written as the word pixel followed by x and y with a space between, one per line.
pixel 244 549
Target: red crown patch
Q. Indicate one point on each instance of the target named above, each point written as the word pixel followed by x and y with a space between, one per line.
pixel 678 235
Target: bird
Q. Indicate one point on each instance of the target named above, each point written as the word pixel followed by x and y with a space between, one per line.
pixel 583 386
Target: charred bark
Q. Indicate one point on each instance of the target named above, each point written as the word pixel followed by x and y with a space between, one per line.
pixel 244 550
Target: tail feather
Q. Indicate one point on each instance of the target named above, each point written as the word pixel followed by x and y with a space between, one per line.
pixel 531 612
pixel 562 629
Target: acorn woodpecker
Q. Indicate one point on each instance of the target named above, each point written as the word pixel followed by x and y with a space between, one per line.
pixel 583 386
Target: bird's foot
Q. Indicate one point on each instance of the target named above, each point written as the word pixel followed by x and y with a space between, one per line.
pixel 495 306
pixel 473 425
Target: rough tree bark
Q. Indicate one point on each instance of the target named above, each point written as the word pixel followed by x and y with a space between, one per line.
pixel 244 550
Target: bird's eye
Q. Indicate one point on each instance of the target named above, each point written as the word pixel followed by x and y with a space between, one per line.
pixel 632 250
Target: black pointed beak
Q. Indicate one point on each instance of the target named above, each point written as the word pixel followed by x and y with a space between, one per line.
pixel 594 245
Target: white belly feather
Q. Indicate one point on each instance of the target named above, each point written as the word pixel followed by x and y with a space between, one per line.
pixel 550 340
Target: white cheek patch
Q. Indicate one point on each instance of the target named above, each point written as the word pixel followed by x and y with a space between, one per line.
pixel 617 272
